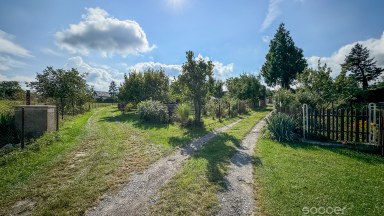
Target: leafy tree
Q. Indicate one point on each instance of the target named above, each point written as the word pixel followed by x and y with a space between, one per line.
pixel 156 85
pixel 283 61
pixel 218 91
pixel 346 89
pixel 362 67
pixel 64 86
pixel 132 88
pixel 113 90
pixel 245 87
pixel 178 91
pixel 197 77
pixel 151 84
pixel 316 86
pixel 11 90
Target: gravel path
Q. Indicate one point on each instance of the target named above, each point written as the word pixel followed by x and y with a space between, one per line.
pixel 135 197
pixel 238 199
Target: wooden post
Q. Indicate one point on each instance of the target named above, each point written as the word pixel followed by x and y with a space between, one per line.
pixel 337 125
pixel 57 118
pixel 28 98
pixel 351 132
pixel 22 127
pixel 328 124
pixel 357 126
pixel 342 124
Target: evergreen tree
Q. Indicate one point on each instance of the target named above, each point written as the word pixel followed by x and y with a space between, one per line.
pixel 362 67
pixel 283 61
pixel 113 90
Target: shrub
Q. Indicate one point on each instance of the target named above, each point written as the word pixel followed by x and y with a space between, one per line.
pixel 153 111
pixel 282 127
pixel 8 132
pixel 182 112
pixel 129 107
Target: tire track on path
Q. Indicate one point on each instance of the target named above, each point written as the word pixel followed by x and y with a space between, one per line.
pixel 135 197
pixel 239 198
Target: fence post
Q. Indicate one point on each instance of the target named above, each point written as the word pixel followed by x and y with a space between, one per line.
pixel 22 127
pixel 305 120
pixel 57 118
pixel 372 122
pixel 328 124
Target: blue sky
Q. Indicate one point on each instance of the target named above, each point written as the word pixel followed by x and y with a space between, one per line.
pixel 110 38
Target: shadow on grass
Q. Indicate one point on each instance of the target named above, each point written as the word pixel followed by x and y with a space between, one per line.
pixel 363 155
pixel 133 119
pixel 218 155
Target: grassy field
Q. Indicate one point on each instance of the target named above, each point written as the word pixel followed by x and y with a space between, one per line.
pixel 65 172
pixel 194 190
pixel 303 179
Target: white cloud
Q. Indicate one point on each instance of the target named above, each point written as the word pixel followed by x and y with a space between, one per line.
pixel 7 63
pixel 49 51
pixel 101 32
pixel 170 69
pixel 99 76
pixel 376 47
pixel 220 71
pixel 9 51
pixel 272 14
pixel 7 46
pixel 266 39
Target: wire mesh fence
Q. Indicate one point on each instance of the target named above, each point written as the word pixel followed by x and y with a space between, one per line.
pixel 20 122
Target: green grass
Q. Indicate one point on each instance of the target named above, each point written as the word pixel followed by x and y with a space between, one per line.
pixel 65 172
pixel 194 190
pixel 291 177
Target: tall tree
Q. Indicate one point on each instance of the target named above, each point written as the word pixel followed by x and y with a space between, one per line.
pixel 113 90
pixel 150 84
pixel 245 87
pixel 197 75
pixel 362 67
pixel 11 90
pixel 283 61
pixel 316 87
pixel 64 86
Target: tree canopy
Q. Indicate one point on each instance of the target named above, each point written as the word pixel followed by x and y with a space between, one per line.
pixel 64 86
pixel 197 76
pixel 361 65
pixel 150 84
pixel 246 87
pixel 11 90
pixel 283 61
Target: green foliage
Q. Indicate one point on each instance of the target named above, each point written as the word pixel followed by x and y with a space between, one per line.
pixel 8 132
pixel 197 77
pixel 285 98
pixel 283 61
pixel 281 127
pixel 11 90
pixel 113 90
pixel 183 112
pixel 317 88
pixel 129 107
pixel 151 84
pixel 153 111
pixel 178 91
pixel 246 87
pixel 66 87
pixel 217 89
pixel 362 67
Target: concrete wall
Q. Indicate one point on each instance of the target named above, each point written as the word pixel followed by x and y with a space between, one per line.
pixel 37 119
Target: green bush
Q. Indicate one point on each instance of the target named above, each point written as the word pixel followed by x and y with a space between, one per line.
pixel 153 111
pixel 182 112
pixel 8 132
pixel 282 127
pixel 129 107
